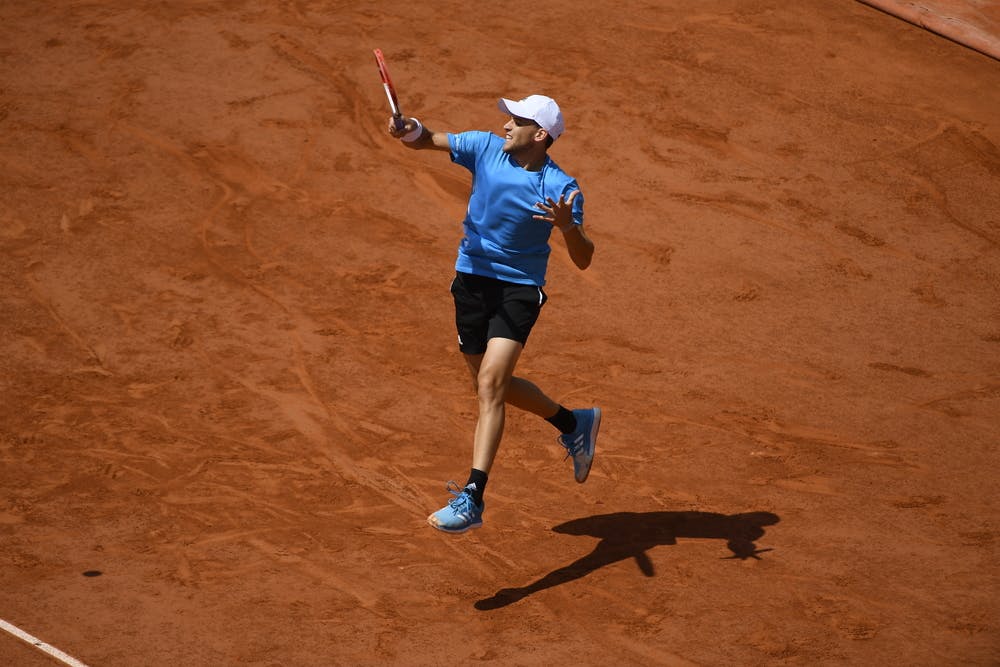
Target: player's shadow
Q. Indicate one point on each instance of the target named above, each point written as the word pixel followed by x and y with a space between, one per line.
pixel 630 535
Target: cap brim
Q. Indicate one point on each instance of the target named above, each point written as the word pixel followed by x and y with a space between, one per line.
pixel 511 107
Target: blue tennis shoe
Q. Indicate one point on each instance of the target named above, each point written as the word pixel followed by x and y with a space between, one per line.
pixel 460 514
pixel 582 443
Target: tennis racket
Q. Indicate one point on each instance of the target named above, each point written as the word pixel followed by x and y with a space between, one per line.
pixel 390 90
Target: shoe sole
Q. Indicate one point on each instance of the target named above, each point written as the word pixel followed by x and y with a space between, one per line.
pixel 594 428
pixel 453 531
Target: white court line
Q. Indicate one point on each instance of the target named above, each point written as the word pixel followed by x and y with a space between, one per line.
pixel 38 643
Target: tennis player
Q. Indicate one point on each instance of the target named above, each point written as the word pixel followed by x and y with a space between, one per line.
pixel 519 195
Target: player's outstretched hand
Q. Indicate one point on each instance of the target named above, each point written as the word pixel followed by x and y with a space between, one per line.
pixel 558 213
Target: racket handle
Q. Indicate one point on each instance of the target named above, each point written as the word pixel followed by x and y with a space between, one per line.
pixel 398 122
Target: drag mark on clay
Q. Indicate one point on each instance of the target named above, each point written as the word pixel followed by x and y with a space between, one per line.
pixel 310 416
pixel 232 174
pixel 46 303
pixel 938 195
pixel 325 573
pixel 946 404
pixel 784 437
pixel 953 149
pixel 741 207
pixel 348 92
pixel 865 237
pixel 908 370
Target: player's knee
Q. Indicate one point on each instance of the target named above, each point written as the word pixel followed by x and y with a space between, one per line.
pixel 490 387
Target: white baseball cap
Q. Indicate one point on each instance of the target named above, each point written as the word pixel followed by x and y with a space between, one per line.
pixel 539 108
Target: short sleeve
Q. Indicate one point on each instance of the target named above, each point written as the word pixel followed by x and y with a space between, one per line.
pixel 466 147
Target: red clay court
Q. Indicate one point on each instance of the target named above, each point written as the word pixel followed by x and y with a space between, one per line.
pixel 231 389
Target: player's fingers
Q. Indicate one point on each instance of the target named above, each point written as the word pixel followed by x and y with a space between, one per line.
pixel 573 195
pixel 400 126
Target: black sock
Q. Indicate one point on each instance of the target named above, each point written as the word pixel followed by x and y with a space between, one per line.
pixel 476 485
pixel 564 420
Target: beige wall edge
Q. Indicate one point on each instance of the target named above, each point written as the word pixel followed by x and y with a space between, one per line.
pixel 953 28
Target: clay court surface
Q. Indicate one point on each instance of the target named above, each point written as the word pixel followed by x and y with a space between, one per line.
pixel 231 392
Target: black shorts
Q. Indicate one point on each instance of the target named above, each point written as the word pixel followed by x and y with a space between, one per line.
pixel 488 308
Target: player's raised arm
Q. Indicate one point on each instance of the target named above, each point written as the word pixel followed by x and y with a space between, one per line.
pixel 409 130
pixel 414 135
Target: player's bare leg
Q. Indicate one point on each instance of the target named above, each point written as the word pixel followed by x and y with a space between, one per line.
pixel 579 428
pixel 494 370
pixel 495 385
pixel 521 393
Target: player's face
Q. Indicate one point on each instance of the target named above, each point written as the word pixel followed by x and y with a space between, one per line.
pixel 520 133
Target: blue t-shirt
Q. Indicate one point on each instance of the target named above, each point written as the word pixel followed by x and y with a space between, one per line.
pixel 502 239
